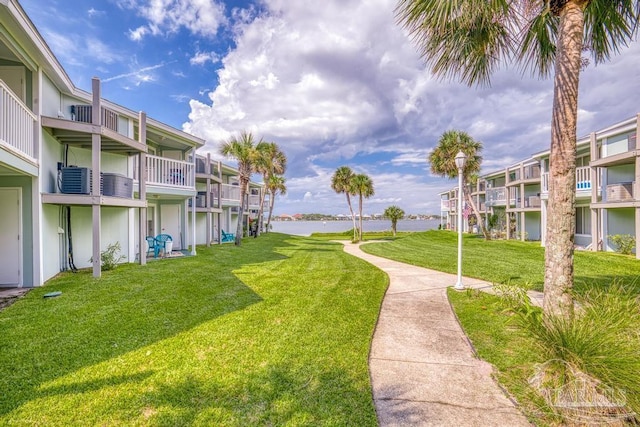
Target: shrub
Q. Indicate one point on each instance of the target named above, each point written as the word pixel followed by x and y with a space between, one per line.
pixel 593 356
pixel 110 258
pixel 624 242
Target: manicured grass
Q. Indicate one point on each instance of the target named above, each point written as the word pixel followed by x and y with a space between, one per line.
pixel 489 326
pixel 263 334
pixel 504 261
pixel 366 236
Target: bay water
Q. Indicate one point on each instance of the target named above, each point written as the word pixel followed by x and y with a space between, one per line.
pixel 305 228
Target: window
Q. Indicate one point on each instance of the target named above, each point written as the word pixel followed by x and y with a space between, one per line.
pixel 583 220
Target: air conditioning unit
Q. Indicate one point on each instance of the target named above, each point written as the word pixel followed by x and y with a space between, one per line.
pixel 116 185
pixel 75 180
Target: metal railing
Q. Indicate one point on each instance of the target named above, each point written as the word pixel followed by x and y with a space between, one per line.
pixel 254 201
pixel 495 196
pixel 230 193
pixel 17 123
pixel 583 179
pixel 169 172
pixel 84 113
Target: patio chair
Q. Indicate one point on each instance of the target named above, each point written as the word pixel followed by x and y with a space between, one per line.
pixel 227 237
pixel 153 246
pixel 162 240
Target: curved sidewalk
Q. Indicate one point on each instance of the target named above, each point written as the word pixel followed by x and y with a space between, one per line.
pixel 423 369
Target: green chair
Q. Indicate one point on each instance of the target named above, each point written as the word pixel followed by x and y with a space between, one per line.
pixel 227 237
pixel 162 240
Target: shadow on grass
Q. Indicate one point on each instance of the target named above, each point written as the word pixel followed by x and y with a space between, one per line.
pixel 128 308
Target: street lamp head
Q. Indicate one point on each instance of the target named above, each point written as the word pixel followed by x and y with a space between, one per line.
pixel 461 158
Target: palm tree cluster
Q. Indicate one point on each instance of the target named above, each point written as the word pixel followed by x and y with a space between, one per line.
pixel 344 180
pixel 261 157
pixel 471 39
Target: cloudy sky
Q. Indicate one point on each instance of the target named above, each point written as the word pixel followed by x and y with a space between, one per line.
pixel 334 83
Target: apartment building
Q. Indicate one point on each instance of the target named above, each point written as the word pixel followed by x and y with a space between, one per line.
pixel 79 173
pixel 607 193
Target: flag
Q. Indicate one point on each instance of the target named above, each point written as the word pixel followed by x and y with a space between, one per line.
pixel 467 211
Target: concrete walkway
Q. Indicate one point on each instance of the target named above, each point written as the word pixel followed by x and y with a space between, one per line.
pixel 423 368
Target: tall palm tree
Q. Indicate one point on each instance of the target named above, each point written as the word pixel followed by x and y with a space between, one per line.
pixel 275 185
pixel 471 39
pixel 362 185
pixel 341 183
pixel 394 213
pixel 442 160
pixel 243 149
pixel 270 161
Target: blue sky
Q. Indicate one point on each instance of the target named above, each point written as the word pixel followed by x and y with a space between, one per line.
pixel 335 85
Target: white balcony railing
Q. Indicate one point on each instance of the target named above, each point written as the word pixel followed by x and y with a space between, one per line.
pixel 496 196
pixel 583 179
pixel 170 173
pixel 254 201
pixel 230 193
pixel 17 123
pixel 444 205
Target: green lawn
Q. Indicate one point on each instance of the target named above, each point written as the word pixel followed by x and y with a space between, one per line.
pixel 485 318
pixel 504 261
pixel 263 334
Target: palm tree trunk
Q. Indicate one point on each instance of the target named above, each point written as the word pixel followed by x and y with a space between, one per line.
pixel 263 193
pixel 353 217
pixel 271 203
pixel 243 195
pixel 394 224
pixel 560 231
pixel 474 208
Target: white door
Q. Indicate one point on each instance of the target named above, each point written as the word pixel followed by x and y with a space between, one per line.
pixel 170 223
pixel 11 244
pixel 14 77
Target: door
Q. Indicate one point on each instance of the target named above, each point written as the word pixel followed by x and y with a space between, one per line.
pixel 170 223
pixel 11 232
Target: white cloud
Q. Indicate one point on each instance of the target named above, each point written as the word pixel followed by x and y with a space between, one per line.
pixel 200 17
pixel 344 83
pixel 201 58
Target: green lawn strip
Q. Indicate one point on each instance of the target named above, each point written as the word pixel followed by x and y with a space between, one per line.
pixel 500 342
pixel 366 236
pixel 504 261
pixel 275 332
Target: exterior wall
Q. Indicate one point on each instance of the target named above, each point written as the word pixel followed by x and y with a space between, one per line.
pixel 618 221
pixel 53 243
pixel 51 98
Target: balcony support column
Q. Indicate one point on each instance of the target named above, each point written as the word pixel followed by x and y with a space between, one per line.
pixel 96 147
pixel 142 181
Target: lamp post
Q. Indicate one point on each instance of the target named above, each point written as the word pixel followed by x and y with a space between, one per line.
pixel 460 161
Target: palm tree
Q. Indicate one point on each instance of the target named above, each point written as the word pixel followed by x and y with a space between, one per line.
pixel 471 39
pixel 394 213
pixel 341 183
pixel 270 161
pixel 275 185
pixel 362 185
pixel 442 160
pixel 243 150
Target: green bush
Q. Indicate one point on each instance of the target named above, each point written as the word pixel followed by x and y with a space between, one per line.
pixel 110 258
pixel 597 349
pixel 624 242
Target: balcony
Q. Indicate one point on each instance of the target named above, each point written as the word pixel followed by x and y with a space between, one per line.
pixel 444 205
pixel 230 195
pixel 206 202
pixel 254 201
pixel 583 180
pixel 17 125
pixel 496 197
pixel 84 114
pixel 169 173
pixel 204 168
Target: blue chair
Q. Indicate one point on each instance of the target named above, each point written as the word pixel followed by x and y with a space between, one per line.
pixel 161 240
pixel 227 237
pixel 153 246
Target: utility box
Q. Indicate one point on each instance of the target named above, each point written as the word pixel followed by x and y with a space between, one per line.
pixel 116 185
pixel 75 180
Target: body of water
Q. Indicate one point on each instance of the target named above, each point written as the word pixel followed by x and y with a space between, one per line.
pixel 305 228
